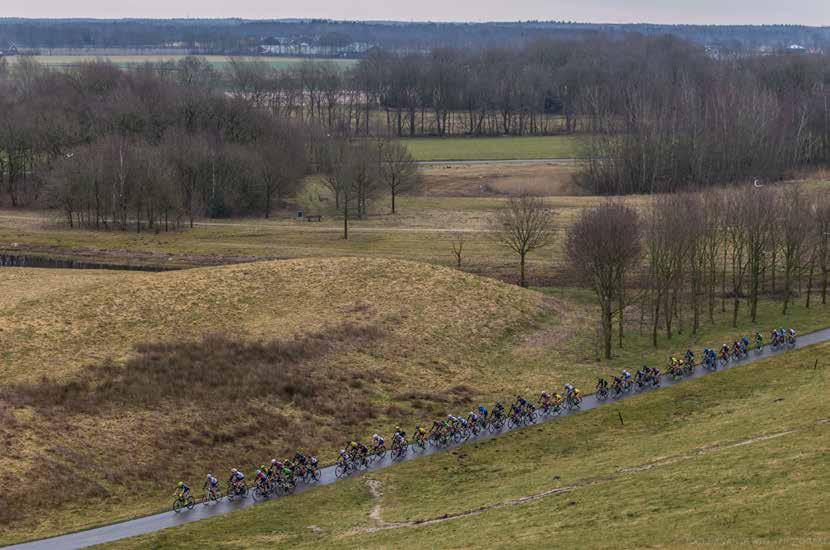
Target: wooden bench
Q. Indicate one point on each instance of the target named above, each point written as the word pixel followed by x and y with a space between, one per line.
pixel 314 218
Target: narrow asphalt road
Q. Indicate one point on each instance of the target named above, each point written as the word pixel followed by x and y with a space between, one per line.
pixel 150 524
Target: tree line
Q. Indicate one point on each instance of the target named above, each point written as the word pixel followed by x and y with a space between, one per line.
pixel 239 36
pixel 155 149
pixel 112 148
pixel 660 113
pixel 688 255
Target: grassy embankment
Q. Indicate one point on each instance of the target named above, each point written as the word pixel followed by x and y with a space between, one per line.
pixel 135 398
pixel 738 459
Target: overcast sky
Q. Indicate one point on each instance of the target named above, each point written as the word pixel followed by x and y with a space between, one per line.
pixel 808 12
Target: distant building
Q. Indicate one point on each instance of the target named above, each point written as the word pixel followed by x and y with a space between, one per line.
pixel 9 50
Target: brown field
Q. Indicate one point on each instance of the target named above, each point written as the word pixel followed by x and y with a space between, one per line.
pixel 499 180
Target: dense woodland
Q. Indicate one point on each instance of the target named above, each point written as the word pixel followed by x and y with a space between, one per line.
pixel 161 146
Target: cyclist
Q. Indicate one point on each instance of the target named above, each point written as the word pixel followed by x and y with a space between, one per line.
pixel 211 485
pixel 472 419
pixel 482 412
pixel 236 479
pixel 617 385
pixel 287 475
pixel 498 411
pixel 792 336
pixel 261 477
pixel 300 458
pixel 544 400
pixel 344 457
pixel 379 442
pixel 690 357
pixel 602 383
pixel 399 432
pixel 420 433
pixel 655 376
pixel 569 389
pixel 759 340
pixel 182 490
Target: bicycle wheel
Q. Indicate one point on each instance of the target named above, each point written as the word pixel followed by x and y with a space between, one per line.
pixel 177 505
pixel 191 502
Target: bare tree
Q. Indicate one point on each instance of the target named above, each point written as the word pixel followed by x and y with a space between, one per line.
pixel 794 231
pixel 822 218
pixel 667 246
pixel 523 225
pixel 338 173
pixel 758 207
pixel 457 242
pixel 397 168
pixel 602 246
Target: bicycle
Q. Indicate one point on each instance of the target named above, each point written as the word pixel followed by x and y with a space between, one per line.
pixel 212 496
pixel 261 490
pixel 239 489
pixel 183 502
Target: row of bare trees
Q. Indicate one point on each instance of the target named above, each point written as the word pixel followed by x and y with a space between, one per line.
pixel 686 255
pixel 681 121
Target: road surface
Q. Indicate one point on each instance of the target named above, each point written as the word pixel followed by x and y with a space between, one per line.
pixel 157 522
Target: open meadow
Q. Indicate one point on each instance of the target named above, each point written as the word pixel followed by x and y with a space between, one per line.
pixel 217 61
pixel 496 148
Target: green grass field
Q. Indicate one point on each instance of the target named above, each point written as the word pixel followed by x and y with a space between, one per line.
pixel 498 148
pixel 738 459
pixel 218 61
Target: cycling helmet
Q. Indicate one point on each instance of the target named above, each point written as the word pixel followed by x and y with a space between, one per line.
pixel 181 484
pixel 233 470
pixel 376 436
pixel 209 476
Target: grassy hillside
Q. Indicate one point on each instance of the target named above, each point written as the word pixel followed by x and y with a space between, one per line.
pixel 118 384
pixel 736 459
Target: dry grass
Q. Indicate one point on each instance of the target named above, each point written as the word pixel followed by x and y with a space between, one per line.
pixel 488 180
pixel 134 396
pixel 56 334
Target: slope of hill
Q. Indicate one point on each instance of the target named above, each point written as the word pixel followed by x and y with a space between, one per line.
pixel 735 459
pixel 115 384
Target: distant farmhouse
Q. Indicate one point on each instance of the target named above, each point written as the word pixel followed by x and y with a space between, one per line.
pixel 9 50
